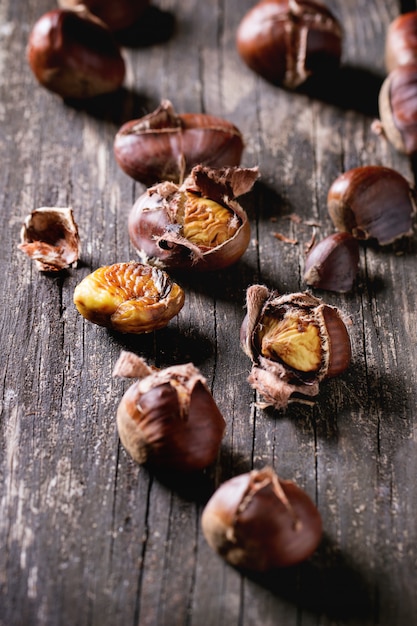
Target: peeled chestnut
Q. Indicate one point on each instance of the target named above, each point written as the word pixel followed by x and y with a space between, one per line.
pixel 117 14
pixel 294 342
pixel 401 41
pixel 164 145
pixel 197 225
pixel 333 263
pixel 129 297
pixel 258 522
pixel 372 202
pixel 168 418
pixel 288 41
pixel 74 54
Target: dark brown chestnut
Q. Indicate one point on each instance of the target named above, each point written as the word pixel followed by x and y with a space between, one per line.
pixel 198 225
pixel 74 54
pixel 372 202
pixel 168 418
pixel 294 342
pixel 333 263
pixel 257 521
pixel 401 41
pixel 117 14
pixel 288 41
pixel 164 145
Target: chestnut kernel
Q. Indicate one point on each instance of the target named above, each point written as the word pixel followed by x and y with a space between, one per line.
pixel 197 225
pixel 168 418
pixel 288 41
pixel 72 53
pixel 129 297
pixel 374 202
pixel 294 342
pixel 117 15
pixel 401 41
pixel 165 146
pixel 257 521
pixel 333 263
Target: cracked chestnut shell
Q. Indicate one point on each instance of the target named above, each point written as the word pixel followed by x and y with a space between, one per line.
pixel 129 297
pixel 288 41
pixel 168 418
pixel 197 225
pixel 294 342
pixel 117 14
pixel 333 263
pixel 164 145
pixel 72 53
pixel 257 521
pixel 372 202
pixel 401 41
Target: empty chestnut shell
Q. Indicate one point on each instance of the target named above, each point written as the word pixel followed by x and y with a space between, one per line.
pixel 117 14
pixel 294 342
pixel 164 145
pixel 401 41
pixel 372 202
pixel 287 41
pixel 258 522
pixel 72 53
pixel 197 225
pixel 333 263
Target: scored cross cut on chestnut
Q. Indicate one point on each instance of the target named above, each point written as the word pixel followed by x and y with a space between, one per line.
pixel 294 341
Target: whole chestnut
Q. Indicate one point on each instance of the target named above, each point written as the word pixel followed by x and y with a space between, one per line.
pixel 288 41
pixel 372 202
pixel 164 145
pixel 72 53
pixel 333 263
pixel 118 15
pixel 401 41
pixel 257 521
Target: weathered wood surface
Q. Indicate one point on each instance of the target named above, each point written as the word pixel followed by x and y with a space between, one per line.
pixel 86 536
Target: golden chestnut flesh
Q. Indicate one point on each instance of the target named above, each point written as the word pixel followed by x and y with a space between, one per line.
pixel 401 41
pixel 74 54
pixel 257 521
pixel 165 146
pixel 372 202
pixel 333 263
pixel 117 14
pixel 288 41
pixel 294 342
pixel 129 297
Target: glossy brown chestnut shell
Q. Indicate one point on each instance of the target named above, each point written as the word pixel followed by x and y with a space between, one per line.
pixel 164 145
pixel 333 263
pixel 257 521
pixel 287 41
pixel 117 14
pixel 401 41
pixel 161 219
pixel 372 202
pixel 72 53
pixel 168 418
pixel 294 342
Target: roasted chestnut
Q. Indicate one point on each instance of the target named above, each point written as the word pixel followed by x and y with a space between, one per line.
pixel 294 341
pixel 74 54
pixel 129 297
pixel 257 521
pixel 164 145
pixel 168 418
pixel 401 41
pixel 372 202
pixel 333 263
pixel 288 41
pixel 118 15
pixel 197 225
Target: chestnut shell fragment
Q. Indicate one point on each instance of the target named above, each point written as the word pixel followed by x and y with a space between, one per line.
pixel 333 263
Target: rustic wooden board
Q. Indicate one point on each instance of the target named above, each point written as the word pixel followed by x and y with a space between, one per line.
pixel 86 536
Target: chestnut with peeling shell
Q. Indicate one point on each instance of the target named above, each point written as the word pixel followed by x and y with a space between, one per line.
pixel 118 15
pixel 49 236
pixel 73 53
pixel 372 202
pixel 257 521
pixel 333 263
pixel 168 418
pixel 129 297
pixel 294 341
pixel 197 225
pixel 164 145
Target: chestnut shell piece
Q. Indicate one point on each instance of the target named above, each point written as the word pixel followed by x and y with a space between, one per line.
pixel 117 14
pixel 49 236
pixel 333 263
pixel 157 234
pixel 276 379
pixel 287 41
pixel 129 297
pixel 372 201
pixel 258 522
pixel 168 418
pixel 164 145
pixel 72 53
pixel 401 41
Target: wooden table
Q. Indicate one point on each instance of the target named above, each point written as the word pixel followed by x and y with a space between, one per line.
pixel 87 536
